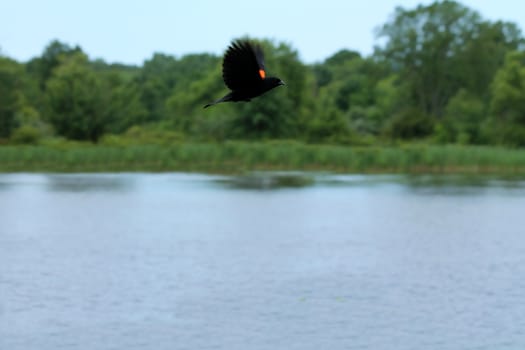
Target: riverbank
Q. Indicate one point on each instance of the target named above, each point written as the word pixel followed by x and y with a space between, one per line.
pixel 238 157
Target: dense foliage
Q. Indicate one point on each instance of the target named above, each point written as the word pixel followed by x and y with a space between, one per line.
pixel 442 73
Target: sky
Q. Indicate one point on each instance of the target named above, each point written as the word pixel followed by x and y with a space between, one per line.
pixel 131 31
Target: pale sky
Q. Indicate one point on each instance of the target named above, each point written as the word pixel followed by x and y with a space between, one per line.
pixel 131 31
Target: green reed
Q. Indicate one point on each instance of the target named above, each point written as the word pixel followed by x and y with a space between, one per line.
pixel 237 157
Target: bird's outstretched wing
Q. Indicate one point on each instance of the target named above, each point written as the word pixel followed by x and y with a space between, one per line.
pixel 243 65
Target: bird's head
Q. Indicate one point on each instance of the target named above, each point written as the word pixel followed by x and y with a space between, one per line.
pixel 273 82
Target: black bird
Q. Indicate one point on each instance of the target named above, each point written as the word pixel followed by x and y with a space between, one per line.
pixel 244 73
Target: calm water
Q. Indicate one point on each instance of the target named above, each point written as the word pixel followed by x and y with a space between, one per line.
pixel 177 261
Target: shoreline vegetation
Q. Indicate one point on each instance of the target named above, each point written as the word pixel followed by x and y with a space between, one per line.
pixel 237 157
pixel 450 99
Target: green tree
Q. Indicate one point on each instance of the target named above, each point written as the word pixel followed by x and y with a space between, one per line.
pixel 329 125
pixel 507 105
pixel 390 96
pixel 324 72
pixel 125 108
pixel 484 53
pixel 440 48
pixel 347 82
pixel 464 115
pixel 156 82
pixel 185 106
pixel 421 44
pixel 78 100
pixel 10 85
pixel 164 76
pixel 408 123
pixel 42 67
pixel 342 77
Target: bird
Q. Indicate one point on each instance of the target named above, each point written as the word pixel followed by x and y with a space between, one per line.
pixel 244 73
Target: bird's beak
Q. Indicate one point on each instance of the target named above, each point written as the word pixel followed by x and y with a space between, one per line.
pixel 281 82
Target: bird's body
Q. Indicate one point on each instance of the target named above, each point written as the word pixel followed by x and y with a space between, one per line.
pixel 244 73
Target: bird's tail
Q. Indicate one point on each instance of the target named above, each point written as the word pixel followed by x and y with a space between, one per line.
pixel 222 99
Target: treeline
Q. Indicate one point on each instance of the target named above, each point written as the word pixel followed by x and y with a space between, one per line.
pixel 442 73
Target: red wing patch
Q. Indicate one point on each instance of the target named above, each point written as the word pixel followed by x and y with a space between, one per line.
pixel 262 73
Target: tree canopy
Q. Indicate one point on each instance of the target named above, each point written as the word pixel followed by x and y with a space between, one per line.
pixel 441 73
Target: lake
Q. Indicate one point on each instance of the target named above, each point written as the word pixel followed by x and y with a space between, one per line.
pixel 269 261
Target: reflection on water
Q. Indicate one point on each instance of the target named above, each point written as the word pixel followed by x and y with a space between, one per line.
pixel 262 261
pixel 66 182
pixel 269 180
pixel 430 184
pixel 422 183
pixel 465 180
pixel 89 182
pixel 265 180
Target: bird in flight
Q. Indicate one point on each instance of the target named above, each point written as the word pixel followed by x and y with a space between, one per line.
pixel 244 74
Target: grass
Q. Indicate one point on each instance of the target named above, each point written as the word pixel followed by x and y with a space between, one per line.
pixel 239 157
